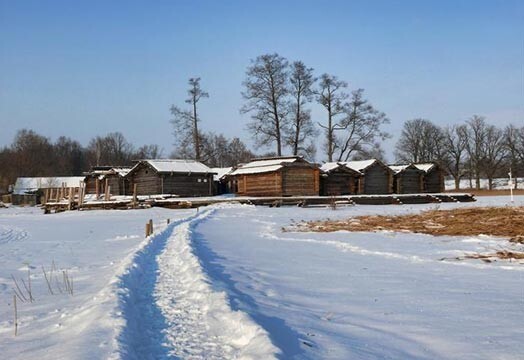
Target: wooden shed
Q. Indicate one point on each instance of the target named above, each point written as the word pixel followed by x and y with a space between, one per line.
pixel 279 176
pixel 376 178
pixel 338 179
pixel 433 180
pixel 115 178
pixel 175 177
pixel 407 179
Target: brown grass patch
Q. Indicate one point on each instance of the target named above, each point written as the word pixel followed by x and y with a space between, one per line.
pixel 505 222
pixel 494 221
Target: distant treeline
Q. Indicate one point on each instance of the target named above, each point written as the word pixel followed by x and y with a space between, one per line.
pixel 471 150
pixel 31 154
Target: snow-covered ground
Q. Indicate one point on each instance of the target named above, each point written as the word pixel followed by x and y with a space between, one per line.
pixel 498 183
pixel 227 282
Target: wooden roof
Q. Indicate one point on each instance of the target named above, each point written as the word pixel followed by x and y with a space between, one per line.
pixel 264 165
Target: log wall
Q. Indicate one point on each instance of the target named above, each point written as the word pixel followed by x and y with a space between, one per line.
pixel 147 181
pixel 377 180
pixel 408 181
pixel 264 184
pixel 300 181
pixel 434 181
pixel 187 184
pixel 338 183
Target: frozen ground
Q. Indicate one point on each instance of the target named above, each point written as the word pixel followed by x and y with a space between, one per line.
pixel 227 282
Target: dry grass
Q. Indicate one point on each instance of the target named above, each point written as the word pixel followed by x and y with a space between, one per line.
pixel 505 222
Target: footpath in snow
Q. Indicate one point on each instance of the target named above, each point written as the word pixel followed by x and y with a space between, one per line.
pixel 171 309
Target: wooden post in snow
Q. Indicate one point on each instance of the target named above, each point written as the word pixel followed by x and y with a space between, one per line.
pixel 97 188
pixel 148 229
pixel 106 196
pixel 70 201
pixel 46 196
pixel 151 225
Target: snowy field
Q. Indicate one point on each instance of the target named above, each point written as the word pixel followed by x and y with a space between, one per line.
pixel 498 184
pixel 227 282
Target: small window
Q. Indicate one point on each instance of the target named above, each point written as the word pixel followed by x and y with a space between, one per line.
pixel 199 180
pixel 205 180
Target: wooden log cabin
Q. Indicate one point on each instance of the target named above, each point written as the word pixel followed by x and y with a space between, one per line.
pixel 279 176
pixel 338 179
pixel 433 179
pixel 174 177
pixel 376 177
pixel 407 179
pixel 115 178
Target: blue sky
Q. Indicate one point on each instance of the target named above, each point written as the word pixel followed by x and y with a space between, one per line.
pixel 83 69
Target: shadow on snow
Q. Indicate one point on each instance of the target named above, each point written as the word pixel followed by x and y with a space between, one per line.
pixel 282 336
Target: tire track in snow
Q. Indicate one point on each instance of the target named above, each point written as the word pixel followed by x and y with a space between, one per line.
pixel 173 312
pixel 11 234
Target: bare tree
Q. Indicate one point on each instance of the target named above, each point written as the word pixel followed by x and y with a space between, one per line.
pixel 151 151
pixel 331 96
pixel 475 147
pixel 455 144
pixel 69 155
pixel 360 127
pixel 420 141
pixel 219 151
pixel 33 154
pixel 112 149
pixel 266 91
pixel 514 140
pixel 185 122
pixel 494 152
pixel 301 127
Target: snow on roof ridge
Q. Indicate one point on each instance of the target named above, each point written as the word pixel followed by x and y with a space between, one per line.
pixel 177 165
pixel 359 165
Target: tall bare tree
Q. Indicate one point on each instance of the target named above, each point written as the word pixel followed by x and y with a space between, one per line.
pixel 420 141
pixel 331 96
pixel 475 147
pixel 112 149
pixel 360 129
pixel 495 152
pixel 186 122
pixel 514 140
pixel 265 90
pixel 301 128
pixel 455 144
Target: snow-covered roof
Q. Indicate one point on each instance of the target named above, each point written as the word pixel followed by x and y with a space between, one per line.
pixel 122 171
pixel 220 172
pixel 398 168
pixel 178 166
pixel 425 167
pixel 25 185
pixel 330 166
pixel 264 165
pixel 359 165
